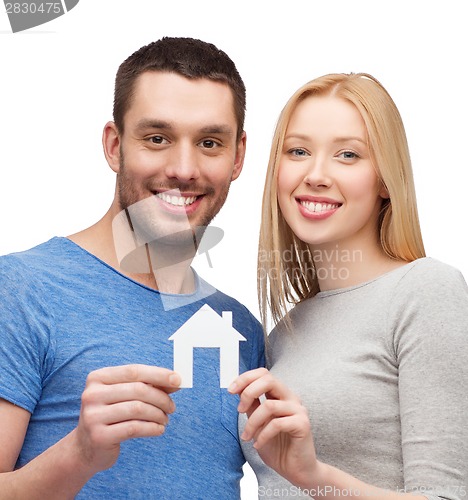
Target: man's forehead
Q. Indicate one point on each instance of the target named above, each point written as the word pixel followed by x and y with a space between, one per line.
pixel 167 100
pixel 166 81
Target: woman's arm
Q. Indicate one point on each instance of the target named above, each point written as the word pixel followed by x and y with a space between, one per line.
pixel 280 428
pixel 427 332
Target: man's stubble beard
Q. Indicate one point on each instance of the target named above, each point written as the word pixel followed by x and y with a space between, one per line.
pixel 146 221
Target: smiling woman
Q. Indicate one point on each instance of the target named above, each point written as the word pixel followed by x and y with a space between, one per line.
pixel 366 346
pixel 329 172
pixel 337 133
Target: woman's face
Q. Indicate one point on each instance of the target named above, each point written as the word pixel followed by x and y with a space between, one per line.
pixel 328 189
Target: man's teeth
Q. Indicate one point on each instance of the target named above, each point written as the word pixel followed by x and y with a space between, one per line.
pixel 179 201
pixel 319 207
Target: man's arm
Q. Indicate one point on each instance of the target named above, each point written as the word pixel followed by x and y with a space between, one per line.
pixel 13 425
pixel 118 403
pixel 54 474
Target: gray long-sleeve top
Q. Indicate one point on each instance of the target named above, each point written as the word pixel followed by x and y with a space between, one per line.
pixel 383 369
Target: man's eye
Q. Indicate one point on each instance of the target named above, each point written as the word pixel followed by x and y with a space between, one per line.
pixel 209 144
pixel 157 139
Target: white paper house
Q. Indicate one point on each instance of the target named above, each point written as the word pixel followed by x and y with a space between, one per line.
pixel 206 328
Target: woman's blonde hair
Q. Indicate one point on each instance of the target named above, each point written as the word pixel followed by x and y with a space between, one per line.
pixel 286 271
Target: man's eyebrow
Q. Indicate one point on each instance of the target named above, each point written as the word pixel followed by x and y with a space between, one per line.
pixel 145 124
pixel 217 129
pixel 148 123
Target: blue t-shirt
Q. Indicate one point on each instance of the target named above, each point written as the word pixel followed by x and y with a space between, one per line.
pixel 65 313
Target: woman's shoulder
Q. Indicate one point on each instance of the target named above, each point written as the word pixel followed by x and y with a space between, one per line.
pixel 429 273
pixel 429 288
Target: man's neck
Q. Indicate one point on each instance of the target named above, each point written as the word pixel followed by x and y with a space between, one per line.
pixel 156 266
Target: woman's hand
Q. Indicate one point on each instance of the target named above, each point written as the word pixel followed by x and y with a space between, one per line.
pixel 281 429
pixel 279 425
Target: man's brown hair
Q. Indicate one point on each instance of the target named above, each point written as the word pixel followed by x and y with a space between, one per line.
pixel 187 57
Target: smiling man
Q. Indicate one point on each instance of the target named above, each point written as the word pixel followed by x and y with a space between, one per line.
pixel 86 385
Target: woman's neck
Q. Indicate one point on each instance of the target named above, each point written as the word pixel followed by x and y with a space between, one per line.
pixel 341 265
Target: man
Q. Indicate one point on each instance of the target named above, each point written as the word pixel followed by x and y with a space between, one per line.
pixel 90 406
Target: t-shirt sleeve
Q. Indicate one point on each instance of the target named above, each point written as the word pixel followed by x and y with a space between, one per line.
pixel 429 318
pixel 258 339
pixel 24 335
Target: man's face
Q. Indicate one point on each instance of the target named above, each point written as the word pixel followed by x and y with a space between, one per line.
pixel 178 152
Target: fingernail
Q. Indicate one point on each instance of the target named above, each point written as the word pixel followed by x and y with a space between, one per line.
pixel 244 436
pixel 232 387
pixel 241 407
pixel 174 379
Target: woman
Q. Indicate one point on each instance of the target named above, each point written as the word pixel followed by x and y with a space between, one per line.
pixel 376 346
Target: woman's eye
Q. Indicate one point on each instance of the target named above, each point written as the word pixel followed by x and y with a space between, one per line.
pixel 348 155
pixel 298 152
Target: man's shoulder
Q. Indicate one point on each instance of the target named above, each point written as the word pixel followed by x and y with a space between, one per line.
pixel 26 259
pixel 37 252
pixel 29 266
pixel 24 277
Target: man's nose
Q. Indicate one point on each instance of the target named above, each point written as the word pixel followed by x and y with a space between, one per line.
pixel 183 163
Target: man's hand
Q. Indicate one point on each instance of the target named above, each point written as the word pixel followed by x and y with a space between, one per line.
pixel 121 403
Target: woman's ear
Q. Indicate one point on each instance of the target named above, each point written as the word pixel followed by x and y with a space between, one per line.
pixel 111 145
pixel 383 193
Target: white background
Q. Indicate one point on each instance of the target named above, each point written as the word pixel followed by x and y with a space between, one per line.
pixel 56 84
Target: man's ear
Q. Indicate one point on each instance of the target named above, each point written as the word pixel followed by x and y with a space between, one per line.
pixel 240 156
pixel 111 146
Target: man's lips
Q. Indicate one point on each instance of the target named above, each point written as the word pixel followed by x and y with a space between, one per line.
pixel 175 202
pixel 177 199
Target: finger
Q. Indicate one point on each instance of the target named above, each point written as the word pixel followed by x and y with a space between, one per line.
pixel 129 429
pixel 295 426
pixel 268 385
pixel 265 412
pixel 246 378
pixel 261 375
pixel 163 378
pixel 131 411
pixel 255 404
pixel 100 394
